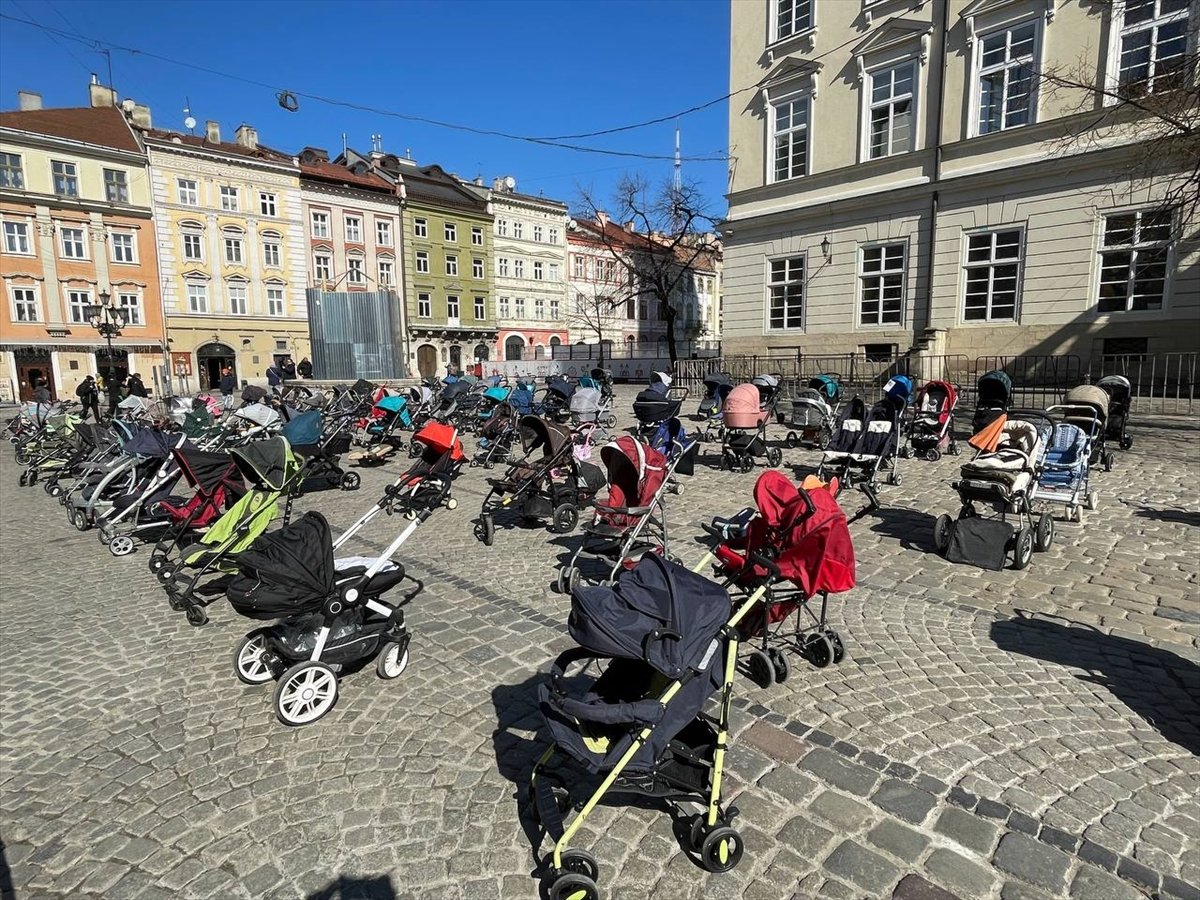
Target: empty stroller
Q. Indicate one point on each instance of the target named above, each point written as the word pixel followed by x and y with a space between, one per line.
pixel 717 386
pixel 814 413
pixel 556 400
pixel 932 429
pixel 865 446
pixel 320 449
pixel 496 437
pixel 745 438
pixel 768 394
pixel 1087 407
pixel 993 394
pixel 1066 466
pixel 666 642
pixel 218 485
pixel 1120 398
pixel 379 432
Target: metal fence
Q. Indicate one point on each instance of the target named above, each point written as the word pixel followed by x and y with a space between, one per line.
pixel 686 350
pixel 1163 384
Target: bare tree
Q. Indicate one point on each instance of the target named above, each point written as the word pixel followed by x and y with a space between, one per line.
pixel 659 237
pixel 593 313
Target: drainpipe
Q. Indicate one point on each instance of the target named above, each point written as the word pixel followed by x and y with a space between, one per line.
pixel 937 167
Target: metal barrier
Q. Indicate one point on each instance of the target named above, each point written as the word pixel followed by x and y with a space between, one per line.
pixel 1163 384
pixel 1038 381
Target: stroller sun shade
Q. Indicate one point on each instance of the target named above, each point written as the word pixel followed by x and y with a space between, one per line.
pixel 635 471
pixel 537 432
pixel 286 572
pixel 269 463
pixel 440 438
pixel 150 443
pixel 258 413
pixel 206 470
pixel 303 430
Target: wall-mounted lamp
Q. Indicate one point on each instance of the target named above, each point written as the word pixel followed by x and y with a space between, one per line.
pixel 827 248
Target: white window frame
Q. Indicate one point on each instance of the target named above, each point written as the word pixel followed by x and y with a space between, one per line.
pixel 14 172
pixel 502 266
pixel 869 105
pixel 863 276
pixel 451 265
pixel 187 191
pixel 353 229
pixel 76 309
pixel 578 266
pixel 539 308
pixel 477 267
pixel 977 73
pixel 322 266
pixel 272 251
pixel 502 227
pixel 502 308
pixel 268 204
pixel 320 223
pixel 539 270
pixel 774 36
pixel 198 237
pixel 70 178
pixel 476 236
pixel 421 228
pixel 553 273
pixel 774 104
pixel 131 302
pixel 518 268
pixel 1137 245
pixel 201 295
pixel 967 265
pixel 538 232
pixel 424 305
pixel 453 306
pixel 518 229
pixel 243 297
pixel 803 282
pixel 276 301
pixel 1118 32
pixel 118 238
pixel 122 185
pixel 552 235
pixel 383 233
pixel 421 262
pixel 480 309
pixel 554 309
pixel 231 198
pixel 355 272
pixel 83 241
pixel 234 246
pixel 16 237
pixel 519 307
pixel 387 276
pixel 34 303
pixel 450 232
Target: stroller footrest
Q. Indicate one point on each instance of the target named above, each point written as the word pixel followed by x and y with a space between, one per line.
pixel 548 812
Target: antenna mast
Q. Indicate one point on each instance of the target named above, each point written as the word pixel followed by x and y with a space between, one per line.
pixel 678 182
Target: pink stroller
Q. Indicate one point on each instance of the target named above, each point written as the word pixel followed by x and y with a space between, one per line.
pixel 745 438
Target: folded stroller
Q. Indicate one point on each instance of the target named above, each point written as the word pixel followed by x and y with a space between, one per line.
pixel 1065 471
pixel 745 438
pixel 717 386
pixel 1002 479
pixel 814 412
pixel 932 429
pixel 1120 398
pixel 1087 407
pixel 666 642
pixel 804 533
pixel 993 394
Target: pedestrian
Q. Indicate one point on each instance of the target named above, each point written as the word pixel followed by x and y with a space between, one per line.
pixel 135 386
pixel 289 369
pixel 228 386
pixel 89 396
pixel 305 368
pixel 114 386
pixel 41 393
pixel 275 377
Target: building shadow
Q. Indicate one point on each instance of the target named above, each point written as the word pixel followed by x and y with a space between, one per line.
pixel 1176 516
pixel 516 707
pixel 1158 685
pixel 350 887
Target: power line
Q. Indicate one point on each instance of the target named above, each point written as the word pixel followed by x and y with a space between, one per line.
pixel 51 33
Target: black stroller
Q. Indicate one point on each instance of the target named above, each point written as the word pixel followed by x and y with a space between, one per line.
pixel 993 395
pixel 1120 398
pixel 654 406
pixel 556 399
pixel 717 386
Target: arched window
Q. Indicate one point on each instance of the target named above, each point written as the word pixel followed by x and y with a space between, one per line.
pixel 539 352
pixel 555 341
pixel 513 347
pixel 481 352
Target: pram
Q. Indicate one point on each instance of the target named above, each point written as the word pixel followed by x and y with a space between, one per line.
pixel 932 428
pixel 804 533
pixel 745 437
pixel 453 395
pixel 320 449
pixel 717 386
pixel 1003 479
pixel 492 397
pixel 666 641
pixel 814 412
pixel 556 399
pixel 1087 407
pixel 993 394
pixel 1066 469
pixel 865 446
pixel 496 437
pixel 655 405
pixel 587 408
pixel 1120 398
pixel 768 394
pixel 553 487
pixel 379 431
pixel 218 485
pixel 521 398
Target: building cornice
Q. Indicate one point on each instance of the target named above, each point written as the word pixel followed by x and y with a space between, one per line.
pixel 229 159
pixel 46 141
pixel 80 204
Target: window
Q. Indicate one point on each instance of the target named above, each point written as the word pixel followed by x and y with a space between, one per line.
pixel 354 270
pixel 1133 260
pixel 275 305
pixel 424 306
pixel 477 238
pixel 420 228
pixel 879 352
pixel 554 311
pixel 321 266
pixel 553 271
pixel 73 246
pixel 237 299
pixel 197 295
pixel 792 17
pixel 1125 346
pixel 1006 85
pixel 1153 46
pixel 502 307
pixel 520 305
pixel 353 230
pixel 271 253
pixel 11 173
pixel 791 138
pixel 539 308
pixel 553 235
pixel 452 265
pixel 192 247
pixel 577 267
pixel 518 268
pixel 451 232
pixel 233 251
pixel 188 192
pixel 786 290
pixel 891 112
pixel 387 277
pixel 480 308
pixel 881 285
pixel 502 227
pixel 993 274
pixel 422 262
pixel 477 267
pixel 25 305
pixel 320 224
pixel 122 248
pixel 77 303
pixel 538 271
pixel 383 232
pixel 116 187
pixel 66 178
pixel 518 229
pixel 266 203
pixel 229 198
pixel 502 266
pixel 451 306
pixel 537 233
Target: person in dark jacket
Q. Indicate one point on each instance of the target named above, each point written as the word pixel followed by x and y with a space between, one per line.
pixel 115 387
pixel 228 385
pixel 305 368
pixel 89 396
pixel 41 393
pixel 135 386
pixel 289 369
pixel 275 376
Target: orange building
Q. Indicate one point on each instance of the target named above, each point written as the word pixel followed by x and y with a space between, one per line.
pixel 75 225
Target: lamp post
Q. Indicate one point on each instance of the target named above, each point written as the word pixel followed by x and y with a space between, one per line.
pixel 108 320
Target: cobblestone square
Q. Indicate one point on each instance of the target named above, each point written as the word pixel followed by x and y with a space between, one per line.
pixel 1005 734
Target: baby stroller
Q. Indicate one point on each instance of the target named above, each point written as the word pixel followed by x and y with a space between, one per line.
pixel 553 487
pixel 379 431
pixel 655 405
pixel 1120 398
pixel 717 386
pixel 865 447
pixel 320 451
pixel 665 642
pixel 768 394
pixel 804 533
pixel 1003 479
pixel 814 412
pixel 556 400
pixel 1087 407
pixel 521 398
pixel 218 485
pixel 993 395
pixel 492 397
pixel 1065 470
pixel 453 396
pixel 496 437
pixel 932 429
pixel 745 437
pixel 585 406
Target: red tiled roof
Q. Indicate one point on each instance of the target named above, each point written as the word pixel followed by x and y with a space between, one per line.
pixel 194 140
pixel 104 126
pixel 328 171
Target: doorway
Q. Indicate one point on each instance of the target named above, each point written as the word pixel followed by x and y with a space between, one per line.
pixel 31 369
pixel 427 360
pixel 210 360
pixel 120 364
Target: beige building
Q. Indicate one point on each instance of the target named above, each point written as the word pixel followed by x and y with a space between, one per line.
pixel 903 177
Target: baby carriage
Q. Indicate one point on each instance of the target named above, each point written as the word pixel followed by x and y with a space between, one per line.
pixel 521 398
pixel 492 397
pixel 496 437
pixel 552 488
pixel 556 400
pixel 602 379
pixel 993 395
pixel 932 429
pixel 655 405
pixel 320 450
pixel 865 446
pixel 379 432
pixel 1003 479
pixel 814 412
pixel 665 642
pixel 1120 394
pixel 768 394
pixel 217 483
pixel 717 386
pixel 1066 467
pixel 804 533
pixel 1087 407
pixel 745 437
pixel 585 406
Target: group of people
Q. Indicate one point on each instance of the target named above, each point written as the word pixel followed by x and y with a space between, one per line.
pixel 117 388
pixel 286 370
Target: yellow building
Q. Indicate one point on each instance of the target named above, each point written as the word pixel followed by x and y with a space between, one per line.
pixel 231 249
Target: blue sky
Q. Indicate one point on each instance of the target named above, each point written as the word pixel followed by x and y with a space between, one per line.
pixel 549 68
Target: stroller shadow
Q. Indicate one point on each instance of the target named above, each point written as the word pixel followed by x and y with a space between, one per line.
pixel 1177 516
pixel 7 892
pixel 346 887
pixel 912 527
pixel 1160 686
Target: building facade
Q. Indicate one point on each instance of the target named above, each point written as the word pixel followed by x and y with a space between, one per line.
pixel 75 212
pixel 905 179
pixel 232 249
pixel 604 306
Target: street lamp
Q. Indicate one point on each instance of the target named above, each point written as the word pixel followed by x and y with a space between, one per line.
pixel 108 320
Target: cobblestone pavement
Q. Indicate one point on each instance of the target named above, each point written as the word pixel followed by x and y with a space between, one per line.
pixel 989 735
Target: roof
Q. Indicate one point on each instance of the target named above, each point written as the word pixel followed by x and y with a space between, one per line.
pixel 194 140
pixel 432 185
pixel 332 172
pixel 103 126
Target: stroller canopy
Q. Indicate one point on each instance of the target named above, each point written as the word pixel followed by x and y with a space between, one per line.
pixel 994 387
pixel 496 393
pixel 206 470
pixel 742 407
pixel 537 432
pixel 441 439
pixel 1089 395
pixel 714 381
pixel 1116 386
pixel 651 406
pixel 815 550
pixel 827 386
pixel 454 390
pixel 631 619
pixel 304 430
pixel 134 403
pixel 393 403
pixel 899 387
pixel 286 572
pixel 252 393
pixel 635 471
pixel 420 395
pixel 560 387
pixel 269 464
pixel 603 376
pixel 938 397
pixel 258 413
pixel 150 443
pixel 585 401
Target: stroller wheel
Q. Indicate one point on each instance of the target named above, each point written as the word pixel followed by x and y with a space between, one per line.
pixel 414 450
pixel 1093 500
pixel 1109 459
pixel 779 663
pixel 486 530
pixel 451 503
pixel 580 862
pixel 474 463
pixel 566 517
pixel 839 649
pixel 933 455
pixel 896 479
pixel 1043 533
pixel 392 660
pixel 121 545
pixel 24 479
pixel 305 693
pixel 762 672
pixel 747 463
pixel 721 850
pixel 250 662
pixel 574 887
pixel 489 464
pixel 156 563
pixel 51 488
pixel 105 534
pixel 941 533
pixel 79 520
pixel 1022 548
pixel 350 481
pixel 955 449
pixel 196 615
pixel 1126 442
pixel 774 456
pixel 792 440
pixel 818 648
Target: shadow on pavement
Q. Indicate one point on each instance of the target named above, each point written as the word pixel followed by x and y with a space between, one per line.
pixel 6 884
pixel 911 527
pixel 1178 516
pixel 348 887
pixel 1160 686
pixel 516 708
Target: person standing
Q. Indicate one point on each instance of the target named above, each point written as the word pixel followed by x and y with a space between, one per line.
pixel 228 385
pixel 114 387
pixel 275 377
pixel 305 368
pixel 289 369
pixel 135 386
pixel 89 396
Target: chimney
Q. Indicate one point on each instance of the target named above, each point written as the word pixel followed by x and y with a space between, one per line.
pixel 140 116
pixel 497 184
pixel 28 100
pixel 602 217
pixel 629 226
pixel 247 137
pixel 478 181
pixel 212 132
pixel 99 94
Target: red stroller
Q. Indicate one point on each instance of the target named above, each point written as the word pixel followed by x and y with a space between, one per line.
pixel 218 485
pixel 800 547
pixel 932 430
